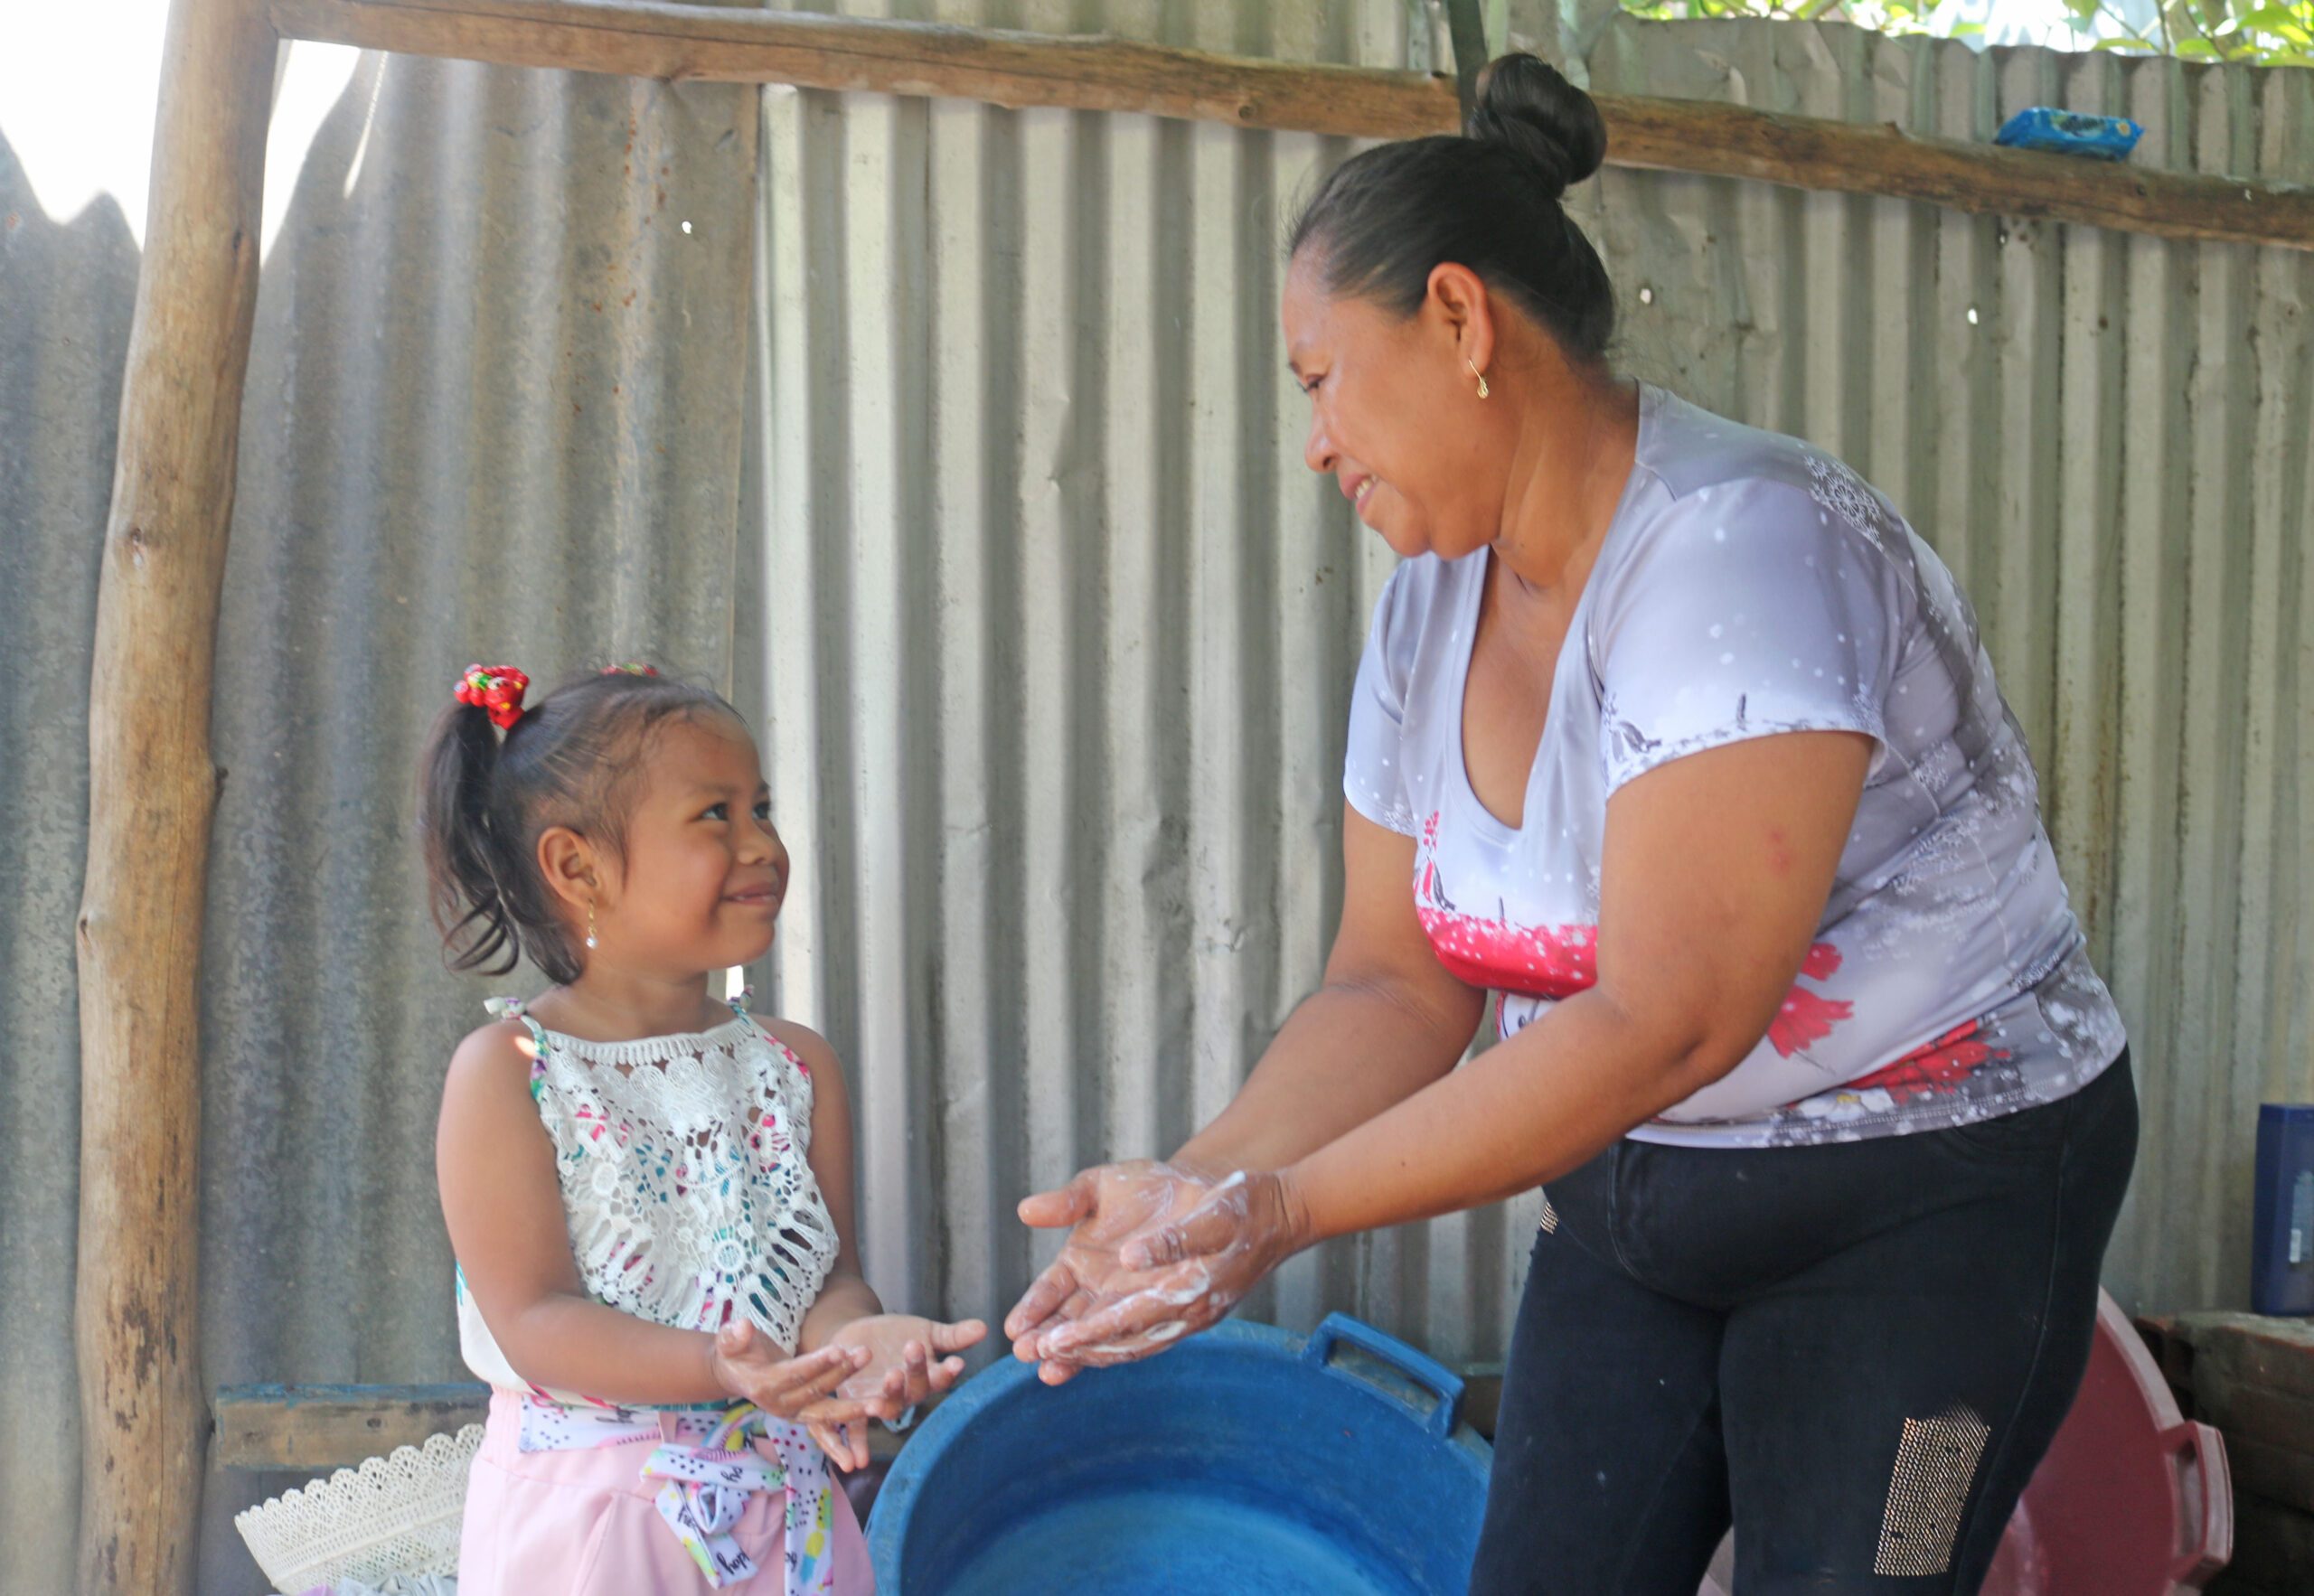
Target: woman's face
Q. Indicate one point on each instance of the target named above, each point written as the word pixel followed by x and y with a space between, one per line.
pixel 1394 415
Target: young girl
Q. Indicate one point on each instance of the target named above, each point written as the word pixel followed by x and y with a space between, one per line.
pixel 649 1194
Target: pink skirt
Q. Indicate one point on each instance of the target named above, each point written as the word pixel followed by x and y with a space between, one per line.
pixel 587 1523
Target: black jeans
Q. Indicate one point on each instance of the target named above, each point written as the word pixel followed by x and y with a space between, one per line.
pixel 1856 1353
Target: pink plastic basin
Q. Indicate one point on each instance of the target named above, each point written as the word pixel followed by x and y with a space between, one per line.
pixel 2133 1499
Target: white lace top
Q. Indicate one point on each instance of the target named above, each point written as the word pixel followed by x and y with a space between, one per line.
pixel 685 1179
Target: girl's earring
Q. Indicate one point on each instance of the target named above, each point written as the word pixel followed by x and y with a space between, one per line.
pixel 590 924
pixel 1477 374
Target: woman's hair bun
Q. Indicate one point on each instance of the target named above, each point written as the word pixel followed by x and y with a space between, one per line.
pixel 1528 107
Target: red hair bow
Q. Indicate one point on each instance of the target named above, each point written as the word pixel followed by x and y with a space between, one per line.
pixel 496 689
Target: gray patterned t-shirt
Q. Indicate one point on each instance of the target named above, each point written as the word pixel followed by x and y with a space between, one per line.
pixel 1749 586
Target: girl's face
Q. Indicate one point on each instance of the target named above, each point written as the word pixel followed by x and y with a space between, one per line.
pixel 704 872
pixel 1394 416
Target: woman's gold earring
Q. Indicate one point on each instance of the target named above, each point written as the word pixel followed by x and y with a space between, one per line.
pixel 1477 374
pixel 590 924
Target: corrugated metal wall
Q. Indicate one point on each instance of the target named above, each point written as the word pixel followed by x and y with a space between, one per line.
pixel 1054 630
pixel 1059 632
pixel 65 294
pixel 494 409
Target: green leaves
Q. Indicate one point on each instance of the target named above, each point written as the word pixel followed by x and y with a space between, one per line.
pixel 2293 24
pixel 2280 33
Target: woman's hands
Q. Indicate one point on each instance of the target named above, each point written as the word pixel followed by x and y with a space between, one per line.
pixel 1159 1252
pixel 1107 1206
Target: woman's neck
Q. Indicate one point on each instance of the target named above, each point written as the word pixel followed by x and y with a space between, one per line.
pixel 1575 459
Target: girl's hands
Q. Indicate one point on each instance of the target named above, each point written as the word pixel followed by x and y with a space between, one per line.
pixel 909 1357
pixel 749 1366
pixel 906 1359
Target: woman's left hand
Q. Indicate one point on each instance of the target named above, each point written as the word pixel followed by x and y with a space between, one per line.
pixel 1183 1274
pixel 910 1359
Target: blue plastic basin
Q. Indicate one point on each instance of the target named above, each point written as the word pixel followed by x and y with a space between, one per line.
pixel 1243 1460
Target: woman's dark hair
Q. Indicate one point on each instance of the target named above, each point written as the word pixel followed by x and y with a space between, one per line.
pixel 484 800
pixel 1489 200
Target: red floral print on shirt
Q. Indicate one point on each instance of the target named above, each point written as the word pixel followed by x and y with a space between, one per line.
pixel 1554 962
pixel 1808 1017
pixel 1936 1066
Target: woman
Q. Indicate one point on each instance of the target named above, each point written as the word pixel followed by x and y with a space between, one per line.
pixel 1690 753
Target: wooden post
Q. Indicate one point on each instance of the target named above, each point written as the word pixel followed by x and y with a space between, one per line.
pixel 144 1425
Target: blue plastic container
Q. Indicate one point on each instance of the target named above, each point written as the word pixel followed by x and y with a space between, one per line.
pixel 1242 1461
pixel 2281 1221
pixel 2070 133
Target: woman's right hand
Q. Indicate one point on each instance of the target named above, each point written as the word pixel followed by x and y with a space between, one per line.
pixel 1107 1206
pixel 1182 1275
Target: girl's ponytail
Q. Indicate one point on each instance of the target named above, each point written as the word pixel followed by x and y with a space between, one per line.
pixel 466 862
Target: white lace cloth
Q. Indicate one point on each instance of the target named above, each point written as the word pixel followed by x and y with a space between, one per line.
pixel 393 1519
pixel 685 1180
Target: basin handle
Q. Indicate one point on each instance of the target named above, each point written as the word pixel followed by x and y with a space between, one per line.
pixel 2196 1454
pixel 1424 1370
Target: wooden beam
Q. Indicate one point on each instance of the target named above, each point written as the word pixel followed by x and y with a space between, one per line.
pixel 1985 179
pixel 324 1427
pixel 650 39
pixel 151 789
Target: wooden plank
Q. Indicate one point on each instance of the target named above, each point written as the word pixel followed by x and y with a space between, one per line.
pixel 2253 1377
pixel 647 38
pixel 2255 1412
pixel 1985 179
pixel 324 1427
pixel 144 1423
pixel 2248 1349
pixel 2274 1548
pixel 2274 1474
